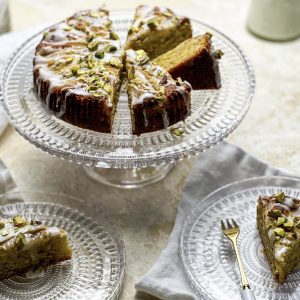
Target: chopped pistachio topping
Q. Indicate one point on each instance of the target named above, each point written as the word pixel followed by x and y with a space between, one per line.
pixel 99 54
pixel 114 61
pixel 167 14
pixel 107 87
pixel 133 29
pixel 289 225
pixel 279 231
pixel 209 35
pixel 280 197
pixel 74 69
pixel 131 73
pixel 67 75
pixel 280 221
pixel 45 33
pixel 274 213
pixel 69 59
pixel 93 46
pixel 177 131
pixel 20 240
pixel 110 48
pixel 152 23
pixel 297 224
pixel 19 221
pixel 67 28
pixel 2 225
pixel 142 57
pixel 113 35
pixel 107 23
pixel 94 14
pixel 218 54
pixel 4 232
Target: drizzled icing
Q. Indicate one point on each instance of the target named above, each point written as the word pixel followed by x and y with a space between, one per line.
pixel 33 234
pixel 149 82
pixel 81 55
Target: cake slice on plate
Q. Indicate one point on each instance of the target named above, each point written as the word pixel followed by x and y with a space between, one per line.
pixel 27 244
pixel 157 30
pixel 156 100
pixel 77 70
pixel 278 223
pixel 195 61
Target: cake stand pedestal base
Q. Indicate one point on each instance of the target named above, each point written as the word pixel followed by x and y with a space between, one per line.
pixel 129 178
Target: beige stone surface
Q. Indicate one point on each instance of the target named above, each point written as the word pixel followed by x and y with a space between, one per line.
pixel 271 131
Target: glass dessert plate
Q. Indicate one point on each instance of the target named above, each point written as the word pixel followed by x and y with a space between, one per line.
pixel 208 257
pixel 96 270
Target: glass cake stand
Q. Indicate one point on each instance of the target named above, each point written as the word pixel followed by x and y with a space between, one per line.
pixel 120 158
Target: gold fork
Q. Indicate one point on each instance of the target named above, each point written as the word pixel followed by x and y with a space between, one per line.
pixel 232 232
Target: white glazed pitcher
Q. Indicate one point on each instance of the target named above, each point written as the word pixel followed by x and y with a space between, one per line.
pixel 4 16
pixel 277 20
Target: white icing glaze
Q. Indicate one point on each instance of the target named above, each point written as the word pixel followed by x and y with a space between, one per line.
pixel 280 251
pixel 33 234
pixel 271 234
pixel 289 201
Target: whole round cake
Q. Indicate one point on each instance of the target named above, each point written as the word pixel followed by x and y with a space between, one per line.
pixel 79 66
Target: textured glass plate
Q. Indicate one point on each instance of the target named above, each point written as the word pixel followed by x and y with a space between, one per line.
pixel 208 257
pixel 96 269
pixel 215 113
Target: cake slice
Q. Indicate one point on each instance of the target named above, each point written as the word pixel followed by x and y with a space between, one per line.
pixel 195 61
pixel 155 99
pixel 77 70
pixel 157 30
pixel 27 244
pixel 278 223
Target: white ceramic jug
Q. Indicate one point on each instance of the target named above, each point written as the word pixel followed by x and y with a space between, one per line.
pixel 277 20
pixel 4 16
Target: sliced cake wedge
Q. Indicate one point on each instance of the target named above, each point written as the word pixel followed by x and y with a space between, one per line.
pixel 195 61
pixel 27 244
pixel 156 100
pixel 157 30
pixel 77 70
pixel 278 223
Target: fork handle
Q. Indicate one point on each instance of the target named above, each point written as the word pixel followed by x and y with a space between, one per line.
pixel 247 294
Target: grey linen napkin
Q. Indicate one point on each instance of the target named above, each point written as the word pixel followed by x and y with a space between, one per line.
pixel 217 167
pixel 9 192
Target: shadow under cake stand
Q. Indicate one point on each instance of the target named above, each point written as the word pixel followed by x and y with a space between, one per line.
pixel 120 158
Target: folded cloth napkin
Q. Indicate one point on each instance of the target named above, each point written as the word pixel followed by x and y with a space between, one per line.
pixel 9 42
pixel 9 192
pixel 217 167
